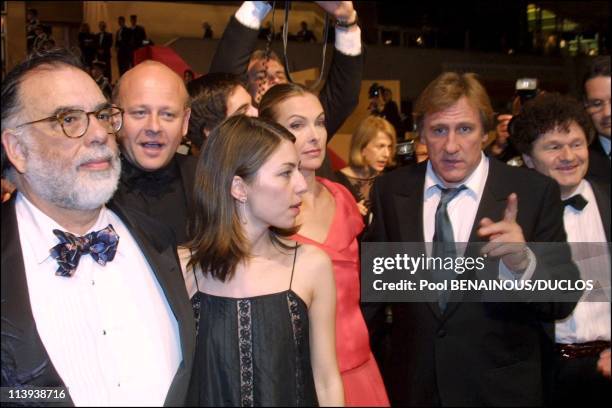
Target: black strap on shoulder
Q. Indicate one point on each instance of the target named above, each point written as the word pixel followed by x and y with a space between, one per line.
pixel 293 267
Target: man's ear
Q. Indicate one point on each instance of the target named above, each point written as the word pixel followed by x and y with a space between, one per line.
pixel 185 126
pixel 528 161
pixel 14 148
pixel 239 189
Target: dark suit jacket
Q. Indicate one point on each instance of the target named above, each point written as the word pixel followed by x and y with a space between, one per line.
pixel 475 353
pixel 599 163
pixel 138 36
pixel 107 43
pixel 174 206
pixel 23 353
pixel 339 96
pixel 602 196
pixel 123 39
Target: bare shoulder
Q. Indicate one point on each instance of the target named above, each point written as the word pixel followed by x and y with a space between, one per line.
pixel 313 259
pixel 184 256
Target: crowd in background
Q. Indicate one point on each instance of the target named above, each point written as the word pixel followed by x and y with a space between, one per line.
pixel 191 238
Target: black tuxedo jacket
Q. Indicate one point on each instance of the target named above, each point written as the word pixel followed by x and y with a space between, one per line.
pixel 602 196
pixel 339 96
pixel 139 35
pixel 172 208
pixel 599 163
pixel 475 353
pixel 123 39
pixel 24 357
pixel 106 44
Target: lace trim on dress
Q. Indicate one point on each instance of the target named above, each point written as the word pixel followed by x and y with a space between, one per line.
pixel 298 338
pixel 245 348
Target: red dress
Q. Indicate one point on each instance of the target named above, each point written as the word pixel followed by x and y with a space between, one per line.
pixel 363 385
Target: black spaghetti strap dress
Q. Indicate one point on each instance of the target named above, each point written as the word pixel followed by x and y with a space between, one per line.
pixel 253 351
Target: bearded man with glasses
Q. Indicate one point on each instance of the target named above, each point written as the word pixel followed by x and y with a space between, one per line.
pixel 94 308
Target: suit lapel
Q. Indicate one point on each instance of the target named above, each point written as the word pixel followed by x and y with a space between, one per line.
pixel 163 261
pixel 27 356
pixel 409 209
pixel 492 204
pixel 602 196
pixel 162 266
pixel 187 172
pixel 493 201
pixel 408 206
pixel 409 212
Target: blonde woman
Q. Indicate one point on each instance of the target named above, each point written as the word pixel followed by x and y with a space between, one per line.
pixel 372 150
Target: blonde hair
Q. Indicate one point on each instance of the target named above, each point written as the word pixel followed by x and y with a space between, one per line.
pixel 367 131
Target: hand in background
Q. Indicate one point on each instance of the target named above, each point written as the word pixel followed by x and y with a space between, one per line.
pixel 341 10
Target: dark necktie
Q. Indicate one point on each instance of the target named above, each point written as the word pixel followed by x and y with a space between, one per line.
pixel 578 202
pixel 101 245
pixel 444 239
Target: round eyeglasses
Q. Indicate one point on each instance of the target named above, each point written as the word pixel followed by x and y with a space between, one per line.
pixel 75 122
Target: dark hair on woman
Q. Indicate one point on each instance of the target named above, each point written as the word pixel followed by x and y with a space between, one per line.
pixel 276 95
pixel 545 113
pixel 209 95
pixel 239 146
pixel 11 104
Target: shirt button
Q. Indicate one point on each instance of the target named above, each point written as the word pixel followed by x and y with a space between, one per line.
pixel 104 332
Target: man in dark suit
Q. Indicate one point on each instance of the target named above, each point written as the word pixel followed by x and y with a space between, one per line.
pixel 597 104
pixel 139 35
pixel 553 133
pixel 155 179
pixel 123 44
pixel 474 354
pixel 236 54
pixel 104 43
pixel 93 299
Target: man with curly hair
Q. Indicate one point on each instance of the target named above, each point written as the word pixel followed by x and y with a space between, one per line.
pixel 553 133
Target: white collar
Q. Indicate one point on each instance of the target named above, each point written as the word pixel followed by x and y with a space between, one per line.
pixel 44 239
pixel 474 182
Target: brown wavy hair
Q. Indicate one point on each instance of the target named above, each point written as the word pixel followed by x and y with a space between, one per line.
pixel 278 94
pixel 239 146
pixel 444 91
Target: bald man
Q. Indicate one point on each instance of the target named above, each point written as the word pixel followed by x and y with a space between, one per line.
pixel 155 179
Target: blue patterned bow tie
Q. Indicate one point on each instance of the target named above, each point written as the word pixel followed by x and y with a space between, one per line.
pixel 101 245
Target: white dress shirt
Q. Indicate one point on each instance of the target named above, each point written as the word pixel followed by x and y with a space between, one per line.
pixel 252 14
pixel 108 330
pixel 462 211
pixel 589 321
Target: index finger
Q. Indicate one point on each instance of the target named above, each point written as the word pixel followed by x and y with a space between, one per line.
pixel 511 210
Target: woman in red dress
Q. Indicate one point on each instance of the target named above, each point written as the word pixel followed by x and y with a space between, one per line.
pixel 330 219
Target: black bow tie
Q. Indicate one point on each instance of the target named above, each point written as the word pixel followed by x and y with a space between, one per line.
pixel 578 202
pixel 101 245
